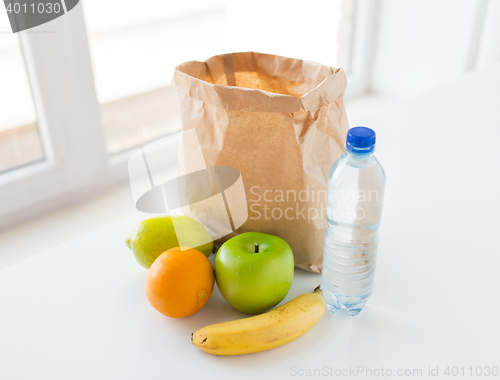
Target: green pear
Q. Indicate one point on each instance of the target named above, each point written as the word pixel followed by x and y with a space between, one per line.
pixel 151 237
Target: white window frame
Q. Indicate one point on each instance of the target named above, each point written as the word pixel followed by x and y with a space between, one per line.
pixel 69 120
pixel 366 13
pixel 487 47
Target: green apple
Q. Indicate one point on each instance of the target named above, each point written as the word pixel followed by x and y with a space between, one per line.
pixel 254 271
pixel 153 236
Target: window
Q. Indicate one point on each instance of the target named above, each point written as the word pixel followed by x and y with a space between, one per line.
pixel 100 84
pixel 134 57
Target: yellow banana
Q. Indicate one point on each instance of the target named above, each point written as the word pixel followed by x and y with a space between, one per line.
pixel 264 331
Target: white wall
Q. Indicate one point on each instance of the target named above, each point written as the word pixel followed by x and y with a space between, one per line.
pixel 423 44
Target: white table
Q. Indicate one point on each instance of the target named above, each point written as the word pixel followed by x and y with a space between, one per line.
pixel 78 311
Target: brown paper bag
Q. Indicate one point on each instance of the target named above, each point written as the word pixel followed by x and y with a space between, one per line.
pixel 281 122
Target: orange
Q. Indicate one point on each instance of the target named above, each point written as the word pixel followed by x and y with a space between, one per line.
pixel 180 282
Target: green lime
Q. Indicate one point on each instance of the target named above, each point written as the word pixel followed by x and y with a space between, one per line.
pixel 151 237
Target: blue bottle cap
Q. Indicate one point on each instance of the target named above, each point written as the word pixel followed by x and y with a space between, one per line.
pixel 360 140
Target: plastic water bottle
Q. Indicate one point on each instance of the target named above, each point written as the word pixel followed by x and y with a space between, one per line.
pixel 355 197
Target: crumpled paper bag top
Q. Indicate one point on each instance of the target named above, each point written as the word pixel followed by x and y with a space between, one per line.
pixel 266 83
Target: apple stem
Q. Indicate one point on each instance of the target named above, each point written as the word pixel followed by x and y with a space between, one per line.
pixel 256 247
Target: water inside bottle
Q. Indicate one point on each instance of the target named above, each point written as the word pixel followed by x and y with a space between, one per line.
pixel 355 198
